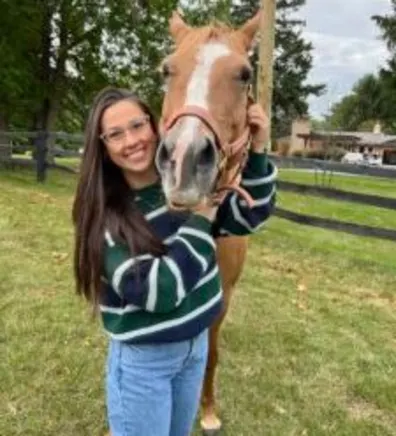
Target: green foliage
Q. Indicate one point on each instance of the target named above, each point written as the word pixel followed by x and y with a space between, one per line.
pixel 58 54
pixel 293 61
pixel 387 75
pixel 367 102
pixel 373 97
pixel 328 153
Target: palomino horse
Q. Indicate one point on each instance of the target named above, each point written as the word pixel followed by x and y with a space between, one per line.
pixel 204 119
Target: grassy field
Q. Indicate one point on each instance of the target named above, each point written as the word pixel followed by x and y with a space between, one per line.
pixel 308 348
pixel 347 182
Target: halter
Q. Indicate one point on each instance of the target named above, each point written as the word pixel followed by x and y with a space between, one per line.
pixel 233 155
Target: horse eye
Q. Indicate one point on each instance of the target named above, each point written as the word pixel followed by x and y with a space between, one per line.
pixel 245 75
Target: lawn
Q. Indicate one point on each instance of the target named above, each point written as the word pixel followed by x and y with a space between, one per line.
pixel 347 182
pixel 308 347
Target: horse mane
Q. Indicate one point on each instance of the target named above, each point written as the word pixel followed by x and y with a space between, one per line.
pixel 214 31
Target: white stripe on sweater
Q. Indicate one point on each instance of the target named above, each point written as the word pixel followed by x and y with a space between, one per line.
pixel 169 324
pixel 212 274
pixel 198 234
pixel 260 201
pixel 130 308
pixel 181 293
pixel 193 251
pixel 237 215
pixel 157 212
pixel 153 286
pixel 121 269
pixel 109 239
pixel 262 180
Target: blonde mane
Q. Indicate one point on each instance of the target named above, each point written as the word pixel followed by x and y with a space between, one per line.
pixel 215 31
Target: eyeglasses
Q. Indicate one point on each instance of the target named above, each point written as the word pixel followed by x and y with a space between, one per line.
pixel 118 135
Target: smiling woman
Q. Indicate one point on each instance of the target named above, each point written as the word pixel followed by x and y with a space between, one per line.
pixel 130 141
pixel 151 271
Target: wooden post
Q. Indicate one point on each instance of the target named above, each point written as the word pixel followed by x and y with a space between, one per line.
pixel 266 56
pixel 41 155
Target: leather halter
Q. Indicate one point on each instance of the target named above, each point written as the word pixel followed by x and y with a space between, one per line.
pixel 233 155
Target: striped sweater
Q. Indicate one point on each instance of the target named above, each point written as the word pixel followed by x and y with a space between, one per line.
pixel 176 296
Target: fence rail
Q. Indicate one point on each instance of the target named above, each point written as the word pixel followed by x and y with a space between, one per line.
pixel 337 194
pixel 71 137
pixel 282 162
pixel 39 141
pixel 331 224
pixel 340 226
pixel 331 166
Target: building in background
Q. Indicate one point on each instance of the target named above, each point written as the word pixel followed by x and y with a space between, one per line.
pixel 373 144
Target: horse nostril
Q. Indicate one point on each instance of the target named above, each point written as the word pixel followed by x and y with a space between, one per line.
pixel 163 155
pixel 206 156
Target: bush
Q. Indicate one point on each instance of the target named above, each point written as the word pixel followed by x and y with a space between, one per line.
pixel 316 154
pixel 298 153
pixel 331 153
pixel 336 153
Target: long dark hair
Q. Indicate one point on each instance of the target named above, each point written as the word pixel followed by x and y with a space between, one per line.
pixel 104 201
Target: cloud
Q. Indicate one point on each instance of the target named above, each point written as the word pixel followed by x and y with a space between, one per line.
pixel 346 45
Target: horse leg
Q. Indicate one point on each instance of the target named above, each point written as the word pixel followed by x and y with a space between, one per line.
pixel 230 269
pixel 210 423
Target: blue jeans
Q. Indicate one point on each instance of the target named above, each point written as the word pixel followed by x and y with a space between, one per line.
pixel 154 389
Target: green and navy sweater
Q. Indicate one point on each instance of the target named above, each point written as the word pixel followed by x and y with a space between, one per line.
pixel 176 296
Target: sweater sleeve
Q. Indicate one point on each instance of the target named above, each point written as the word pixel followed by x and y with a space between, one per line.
pixel 159 284
pixel 235 217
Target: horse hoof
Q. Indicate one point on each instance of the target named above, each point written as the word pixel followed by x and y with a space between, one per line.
pixel 211 426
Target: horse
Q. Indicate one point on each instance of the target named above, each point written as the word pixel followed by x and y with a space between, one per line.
pixel 204 138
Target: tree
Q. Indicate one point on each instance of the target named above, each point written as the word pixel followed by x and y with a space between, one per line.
pixel 387 75
pixel 18 38
pixel 293 61
pixel 59 53
pixel 364 104
pixel 373 97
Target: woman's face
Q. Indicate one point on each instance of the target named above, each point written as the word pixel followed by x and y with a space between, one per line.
pixel 130 141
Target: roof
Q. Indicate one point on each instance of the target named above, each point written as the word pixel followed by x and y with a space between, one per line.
pixel 367 138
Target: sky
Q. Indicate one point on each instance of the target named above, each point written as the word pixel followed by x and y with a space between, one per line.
pixel 347 45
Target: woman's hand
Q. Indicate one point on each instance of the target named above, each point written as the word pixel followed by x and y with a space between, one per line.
pixel 260 129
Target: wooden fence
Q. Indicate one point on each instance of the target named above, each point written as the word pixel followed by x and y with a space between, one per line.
pixel 38 143
pixel 322 167
pixel 331 167
pixel 340 226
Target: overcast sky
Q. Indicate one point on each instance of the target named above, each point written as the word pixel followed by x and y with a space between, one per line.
pixel 346 44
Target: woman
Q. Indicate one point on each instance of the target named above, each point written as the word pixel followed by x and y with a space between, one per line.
pixel 151 272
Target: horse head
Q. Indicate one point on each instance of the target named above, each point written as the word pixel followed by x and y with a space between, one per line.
pixel 204 115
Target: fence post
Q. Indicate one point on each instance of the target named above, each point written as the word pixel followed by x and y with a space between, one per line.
pixel 41 155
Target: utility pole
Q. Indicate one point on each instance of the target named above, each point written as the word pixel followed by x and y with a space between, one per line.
pixel 266 56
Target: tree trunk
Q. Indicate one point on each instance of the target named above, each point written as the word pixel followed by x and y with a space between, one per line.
pixel 53 79
pixel 5 145
pixel 50 116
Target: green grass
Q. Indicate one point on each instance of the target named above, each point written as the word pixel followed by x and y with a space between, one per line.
pixel 72 162
pixel 365 185
pixel 308 347
pixel 338 210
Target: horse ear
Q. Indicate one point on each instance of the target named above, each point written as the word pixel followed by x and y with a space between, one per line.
pixel 177 27
pixel 249 30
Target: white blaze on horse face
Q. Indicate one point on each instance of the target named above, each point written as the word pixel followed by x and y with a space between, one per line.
pixel 198 87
